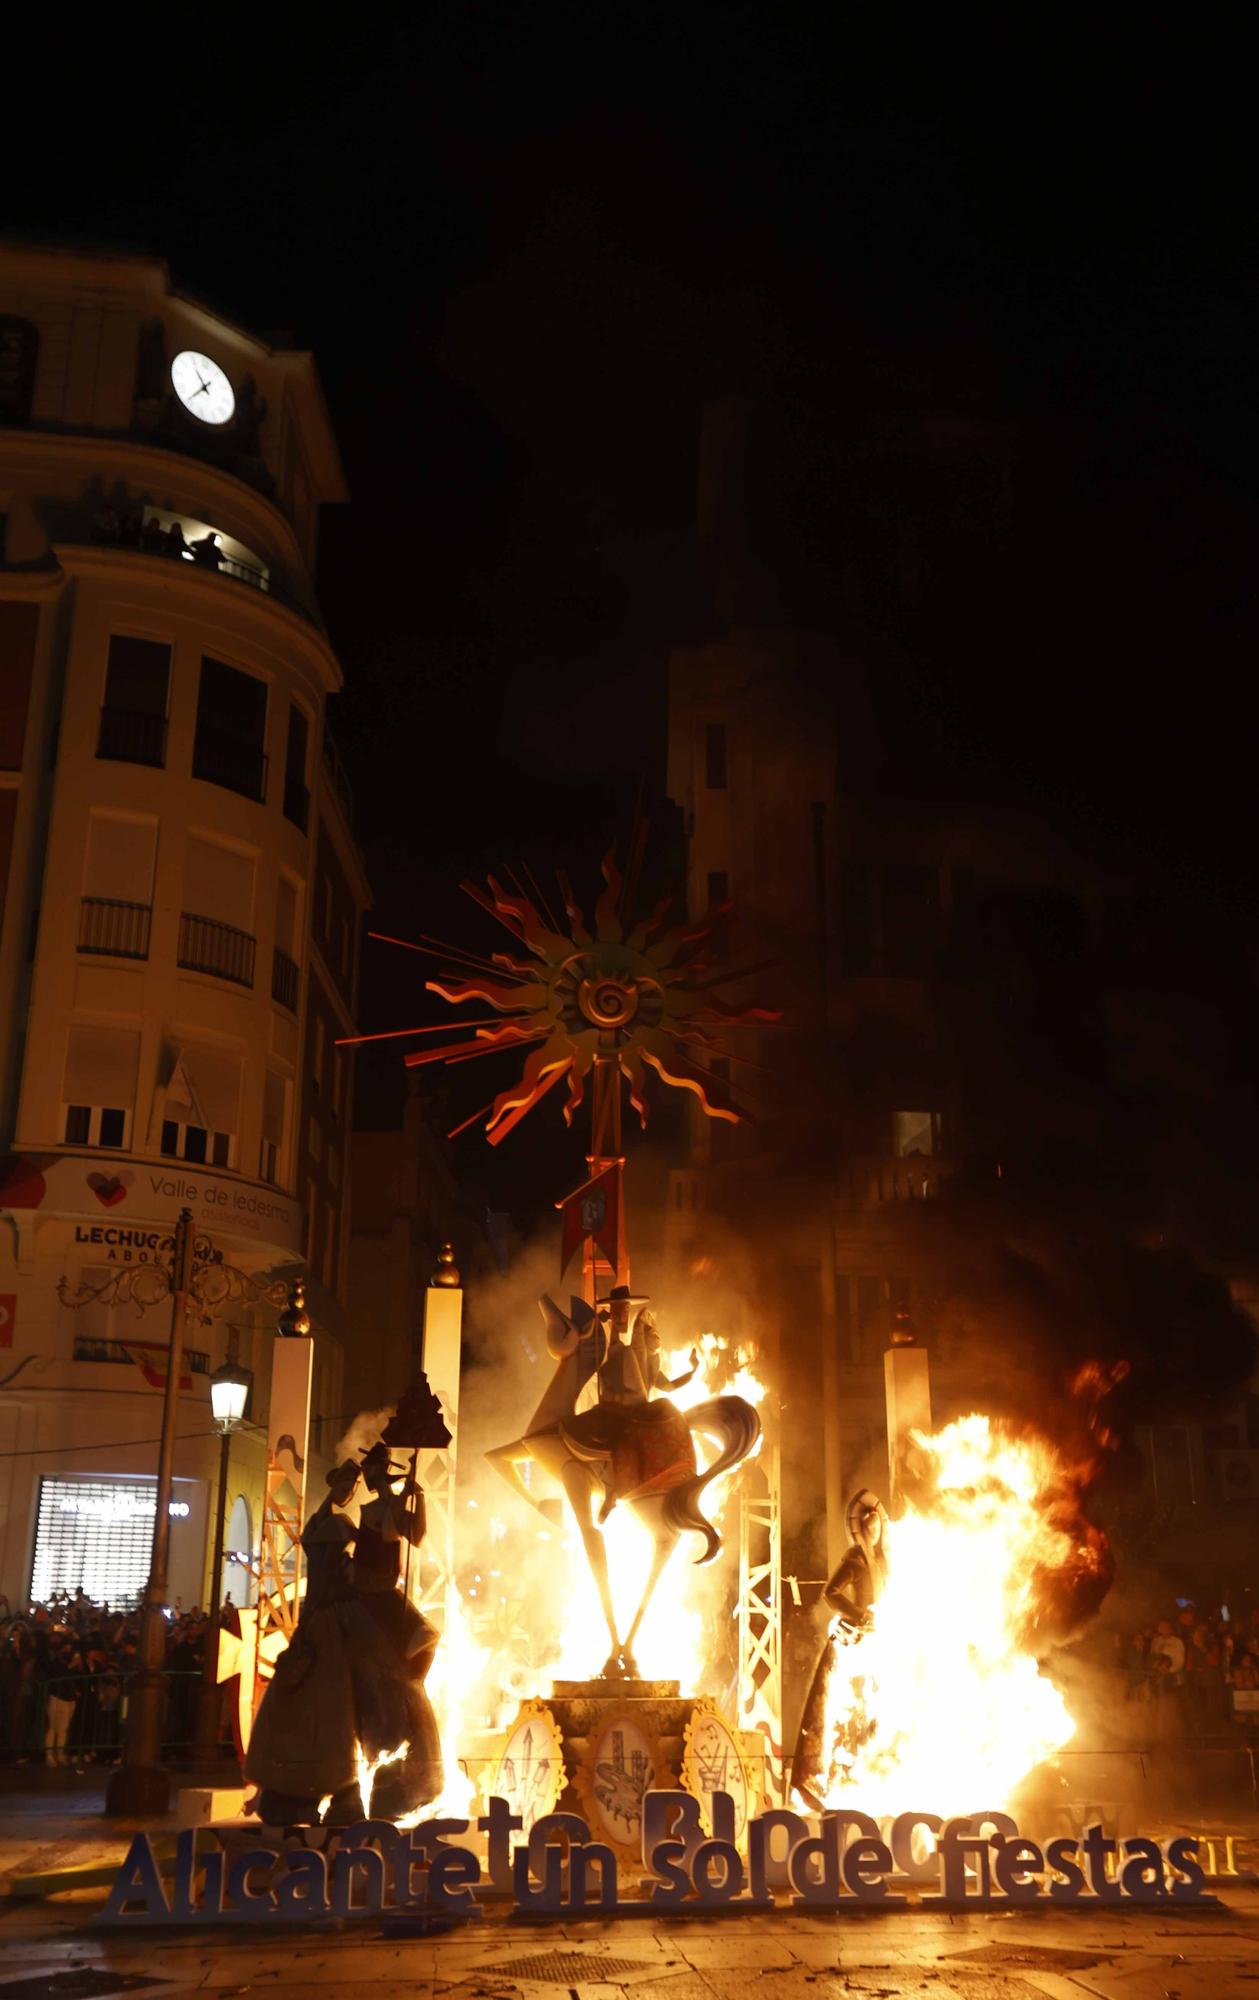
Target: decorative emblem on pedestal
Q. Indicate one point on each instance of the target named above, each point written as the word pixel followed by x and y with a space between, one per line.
pixel 713 1760
pixel 531 1773
pixel 624 1759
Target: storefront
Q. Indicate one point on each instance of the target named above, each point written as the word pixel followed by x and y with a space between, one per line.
pixel 94 1532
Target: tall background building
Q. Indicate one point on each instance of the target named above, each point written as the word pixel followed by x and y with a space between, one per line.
pixel 181 898
pixel 992 1064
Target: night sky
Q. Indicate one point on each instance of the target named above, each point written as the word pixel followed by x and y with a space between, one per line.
pixel 527 244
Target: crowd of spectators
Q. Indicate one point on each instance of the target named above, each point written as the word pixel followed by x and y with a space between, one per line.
pixel 65 1668
pixel 1192 1662
pixel 131 531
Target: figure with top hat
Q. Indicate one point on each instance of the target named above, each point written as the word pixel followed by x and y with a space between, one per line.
pixel 631 1444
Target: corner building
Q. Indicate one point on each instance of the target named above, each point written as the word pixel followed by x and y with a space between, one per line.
pixel 180 897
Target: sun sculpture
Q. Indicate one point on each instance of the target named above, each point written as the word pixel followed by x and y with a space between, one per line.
pixel 597 1002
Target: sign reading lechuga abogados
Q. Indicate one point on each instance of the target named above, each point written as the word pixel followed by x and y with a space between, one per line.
pixel 845 1861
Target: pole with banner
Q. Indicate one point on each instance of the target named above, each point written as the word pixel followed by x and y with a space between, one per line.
pixel 140 1787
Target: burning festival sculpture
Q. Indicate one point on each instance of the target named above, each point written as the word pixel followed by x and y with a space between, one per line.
pixel 607 1003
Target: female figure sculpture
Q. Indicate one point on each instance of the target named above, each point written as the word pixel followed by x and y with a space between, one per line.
pixel 851 1593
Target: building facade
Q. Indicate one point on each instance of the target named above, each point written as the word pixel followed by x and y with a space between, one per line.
pixel 181 898
pixel 939 967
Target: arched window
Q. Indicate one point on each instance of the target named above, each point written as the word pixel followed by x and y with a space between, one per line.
pixel 19 346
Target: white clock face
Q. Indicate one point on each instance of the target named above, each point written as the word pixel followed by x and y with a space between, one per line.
pixel 202 387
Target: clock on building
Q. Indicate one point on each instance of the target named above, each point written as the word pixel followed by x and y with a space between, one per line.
pixel 202 387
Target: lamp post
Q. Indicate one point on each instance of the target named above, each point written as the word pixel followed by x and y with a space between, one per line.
pixel 229 1392
pixel 139 1788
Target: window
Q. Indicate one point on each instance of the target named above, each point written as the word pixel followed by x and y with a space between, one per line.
pixel 99 1533
pixel 195 1143
pixel 117 886
pixel 19 351
pixel 719 893
pixel 274 1120
pixel 715 756
pixel 856 918
pixel 98 1091
pixel 216 923
pixel 201 1108
pixel 319 1050
pixel 133 718
pixel 915 1133
pixel 911 919
pixel 871 1316
pixel 314 1139
pixel 296 793
pixel 231 730
pixel 19 625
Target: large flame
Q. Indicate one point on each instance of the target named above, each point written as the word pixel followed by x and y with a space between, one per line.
pixel 531 1611
pixel 942 1704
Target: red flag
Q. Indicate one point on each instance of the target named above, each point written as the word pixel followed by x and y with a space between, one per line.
pixel 593 1210
pixel 8 1317
pixel 150 1358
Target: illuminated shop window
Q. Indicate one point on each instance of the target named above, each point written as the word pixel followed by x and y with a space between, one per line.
pixel 96 1534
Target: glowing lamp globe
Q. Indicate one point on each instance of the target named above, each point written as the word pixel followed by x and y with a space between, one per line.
pixel 229 1392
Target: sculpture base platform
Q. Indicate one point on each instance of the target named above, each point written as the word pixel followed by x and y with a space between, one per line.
pixel 616 1740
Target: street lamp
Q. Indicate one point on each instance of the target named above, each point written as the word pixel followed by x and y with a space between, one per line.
pixel 229 1392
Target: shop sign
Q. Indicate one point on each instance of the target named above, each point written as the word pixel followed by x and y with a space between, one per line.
pixel 69 1184
pixel 845 1862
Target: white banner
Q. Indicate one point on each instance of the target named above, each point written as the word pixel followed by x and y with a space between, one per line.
pixel 131 1192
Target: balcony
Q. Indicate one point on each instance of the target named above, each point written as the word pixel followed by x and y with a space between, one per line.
pixel 230 761
pixel 219 949
pixel 88 1348
pixel 285 980
pixel 114 929
pixel 127 737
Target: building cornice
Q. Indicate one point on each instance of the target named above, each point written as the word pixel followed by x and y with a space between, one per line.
pixel 196 586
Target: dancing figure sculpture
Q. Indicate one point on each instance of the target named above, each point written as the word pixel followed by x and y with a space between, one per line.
pixel 630 1446
pixel 348 1692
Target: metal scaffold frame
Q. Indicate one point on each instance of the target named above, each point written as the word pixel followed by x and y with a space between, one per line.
pixel 760 1609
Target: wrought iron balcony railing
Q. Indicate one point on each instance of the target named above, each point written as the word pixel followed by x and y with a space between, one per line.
pixel 128 737
pixel 114 929
pixel 208 946
pixel 230 761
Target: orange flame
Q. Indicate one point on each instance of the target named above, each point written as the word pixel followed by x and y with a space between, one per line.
pixel 943 1705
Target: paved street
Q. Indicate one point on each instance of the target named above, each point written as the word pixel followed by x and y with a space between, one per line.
pixel 54 1947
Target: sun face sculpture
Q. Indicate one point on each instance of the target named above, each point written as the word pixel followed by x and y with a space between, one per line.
pixel 597 999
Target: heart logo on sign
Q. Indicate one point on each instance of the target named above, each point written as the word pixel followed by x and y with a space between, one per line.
pixel 110 1189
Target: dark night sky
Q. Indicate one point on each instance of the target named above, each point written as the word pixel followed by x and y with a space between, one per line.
pixel 526 244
